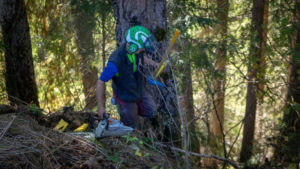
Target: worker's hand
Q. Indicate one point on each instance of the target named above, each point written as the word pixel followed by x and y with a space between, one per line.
pixel 155 65
pixel 151 62
pixel 101 112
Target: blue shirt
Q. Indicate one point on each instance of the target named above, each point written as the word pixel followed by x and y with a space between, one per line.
pixel 109 71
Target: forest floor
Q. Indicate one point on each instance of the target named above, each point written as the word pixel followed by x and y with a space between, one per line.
pixel 27 141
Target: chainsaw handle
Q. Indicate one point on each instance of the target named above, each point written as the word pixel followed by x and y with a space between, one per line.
pixel 106 117
pixel 94 119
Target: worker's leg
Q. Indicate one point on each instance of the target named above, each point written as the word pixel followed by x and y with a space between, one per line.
pixel 147 106
pixel 128 113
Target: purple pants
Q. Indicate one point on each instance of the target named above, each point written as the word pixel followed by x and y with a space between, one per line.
pixel 129 111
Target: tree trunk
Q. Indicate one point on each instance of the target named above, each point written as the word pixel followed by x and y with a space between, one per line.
pixel 188 106
pixel 261 75
pixel 216 139
pixel 288 146
pixel 84 23
pixel 20 78
pixel 103 19
pixel 152 15
pixel 255 60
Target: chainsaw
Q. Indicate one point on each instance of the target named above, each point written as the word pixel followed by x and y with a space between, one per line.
pixel 101 128
pixel 108 126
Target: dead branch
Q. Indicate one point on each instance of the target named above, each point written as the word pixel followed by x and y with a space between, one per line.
pixel 201 155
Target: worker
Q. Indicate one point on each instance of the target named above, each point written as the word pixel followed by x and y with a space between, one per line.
pixel 125 68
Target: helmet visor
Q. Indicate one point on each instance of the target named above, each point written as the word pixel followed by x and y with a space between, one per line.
pixel 151 45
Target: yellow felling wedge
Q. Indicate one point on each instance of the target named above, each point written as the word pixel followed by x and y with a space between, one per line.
pixel 82 128
pixel 62 125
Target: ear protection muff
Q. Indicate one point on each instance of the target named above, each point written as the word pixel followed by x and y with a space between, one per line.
pixel 132 48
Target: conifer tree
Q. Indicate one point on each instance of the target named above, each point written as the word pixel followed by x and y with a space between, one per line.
pixel 19 75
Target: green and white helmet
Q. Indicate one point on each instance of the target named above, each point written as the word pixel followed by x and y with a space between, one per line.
pixel 139 37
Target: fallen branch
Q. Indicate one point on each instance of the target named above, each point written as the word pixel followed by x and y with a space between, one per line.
pixel 7 127
pixel 201 155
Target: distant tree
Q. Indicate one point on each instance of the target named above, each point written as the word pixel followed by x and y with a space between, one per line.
pixel 216 139
pixel 188 105
pixel 84 23
pixel 105 10
pixel 180 9
pixel 288 145
pixel 19 75
pixel 255 60
pixel 103 20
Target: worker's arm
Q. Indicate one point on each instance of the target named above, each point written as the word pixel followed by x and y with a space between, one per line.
pixel 109 71
pixel 100 98
pixel 150 62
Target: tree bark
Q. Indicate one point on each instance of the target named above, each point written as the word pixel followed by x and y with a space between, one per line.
pixel 84 23
pixel 255 60
pixel 20 77
pixel 216 139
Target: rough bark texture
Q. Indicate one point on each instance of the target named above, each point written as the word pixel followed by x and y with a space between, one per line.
pixel 84 23
pixel 152 15
pixel 288 146
pixel 255 60
pixel 219 82
pixel 20 78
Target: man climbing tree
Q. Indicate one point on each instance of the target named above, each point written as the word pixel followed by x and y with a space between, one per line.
pixel 20 79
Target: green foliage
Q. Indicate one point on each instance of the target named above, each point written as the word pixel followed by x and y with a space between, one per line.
pixel 138 144
pixel 157 167
pixel 59 78
pixel 35 110
pixel 54 49
pixel 113 156
pixel 130 139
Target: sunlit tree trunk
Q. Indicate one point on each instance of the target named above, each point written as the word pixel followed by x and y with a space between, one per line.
pixel 152 15
pixel 261 74
pixel 187 105
pixel 255 60
pixel 287 151
pixel 20 78
pixel 216 139
pixel 84 23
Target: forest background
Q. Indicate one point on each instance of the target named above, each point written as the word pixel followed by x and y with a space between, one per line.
pixel 232 80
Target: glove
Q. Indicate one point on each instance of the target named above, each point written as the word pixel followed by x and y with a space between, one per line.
pixel 152 82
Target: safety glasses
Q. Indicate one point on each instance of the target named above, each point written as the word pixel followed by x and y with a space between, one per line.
pixel 151 45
